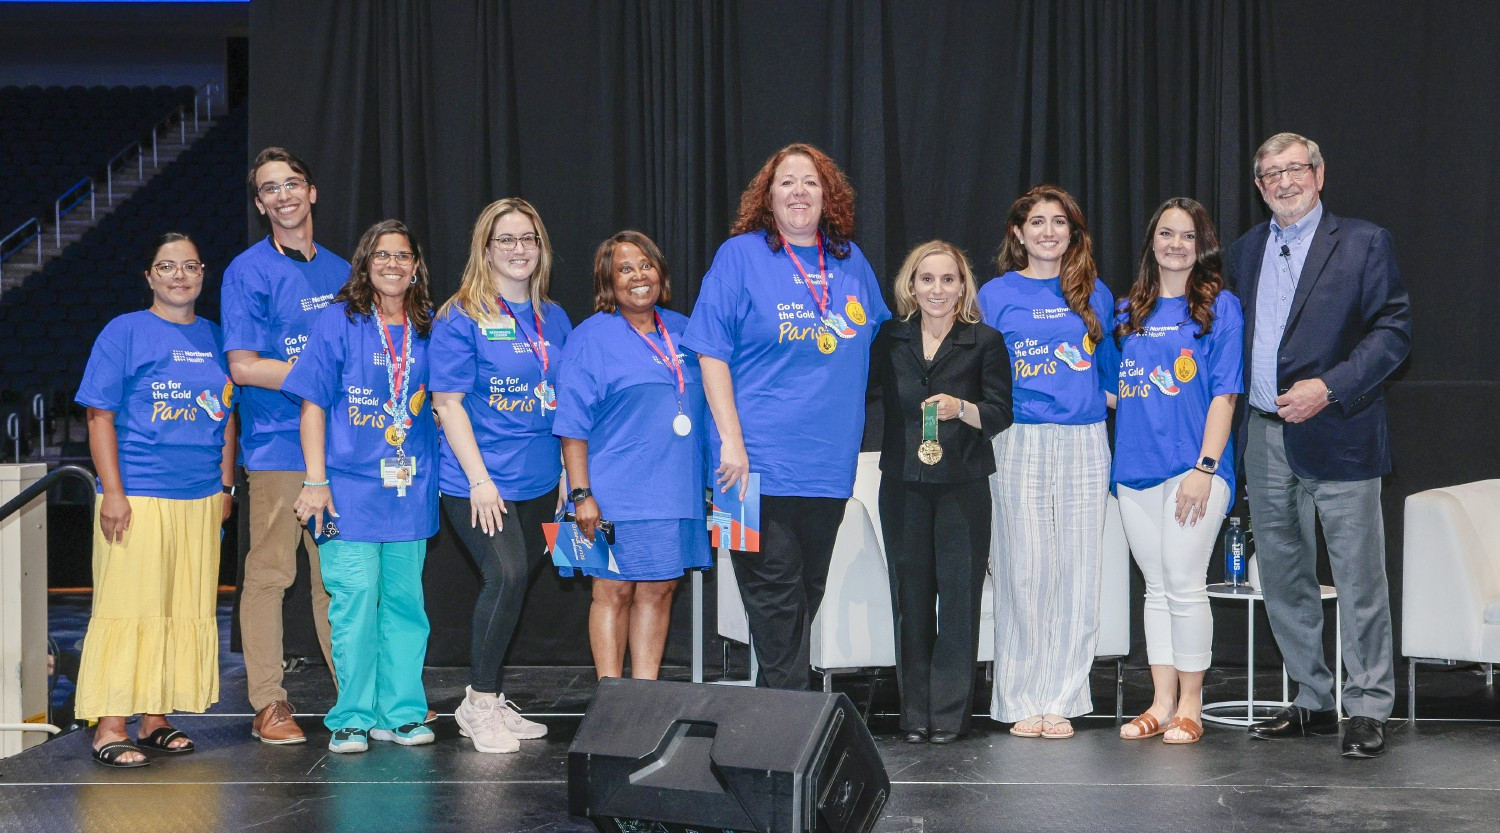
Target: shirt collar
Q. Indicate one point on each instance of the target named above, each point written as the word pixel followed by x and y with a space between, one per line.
pixel 1297 230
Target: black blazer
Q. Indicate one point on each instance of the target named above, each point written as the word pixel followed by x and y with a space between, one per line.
pixel 972 364
pixel 1349 325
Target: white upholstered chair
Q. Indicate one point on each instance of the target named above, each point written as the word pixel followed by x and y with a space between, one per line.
pixel 1450 602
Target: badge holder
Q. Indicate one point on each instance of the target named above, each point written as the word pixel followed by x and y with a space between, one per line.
pixel 397 473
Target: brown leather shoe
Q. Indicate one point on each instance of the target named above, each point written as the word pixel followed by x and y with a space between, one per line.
pixel 274 724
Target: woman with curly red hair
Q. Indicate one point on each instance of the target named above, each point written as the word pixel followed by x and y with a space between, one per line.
pixel 783 327
pixel 1052 466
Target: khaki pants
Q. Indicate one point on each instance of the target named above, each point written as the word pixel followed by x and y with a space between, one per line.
pixel 270 568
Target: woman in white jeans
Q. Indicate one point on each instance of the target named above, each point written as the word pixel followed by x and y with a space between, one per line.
pixel 1175 360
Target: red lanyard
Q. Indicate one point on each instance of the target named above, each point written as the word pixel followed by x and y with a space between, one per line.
pixel 388 343
pixel 669 357
pixel 820 302
pixel 538 347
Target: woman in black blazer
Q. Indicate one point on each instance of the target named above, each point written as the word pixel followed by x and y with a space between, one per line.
pixel 944 379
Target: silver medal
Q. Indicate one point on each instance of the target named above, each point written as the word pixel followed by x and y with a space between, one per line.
pixel 681 425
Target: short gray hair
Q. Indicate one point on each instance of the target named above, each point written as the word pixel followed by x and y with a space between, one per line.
pixel 1279 143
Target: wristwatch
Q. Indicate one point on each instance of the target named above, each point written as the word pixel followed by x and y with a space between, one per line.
pixel 229 490
pixel 1332 400
pixel 1208 465
pixel 581 494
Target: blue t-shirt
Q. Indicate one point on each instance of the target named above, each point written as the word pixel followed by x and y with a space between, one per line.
pixel 509 401
pixel 169 387
pixel 268 305
pixel 1055 376
pixel 801 407
pixel 344 372
pixel 1165 378
pixel 616 393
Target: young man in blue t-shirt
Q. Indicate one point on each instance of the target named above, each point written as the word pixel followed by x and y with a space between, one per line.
pixel 272 292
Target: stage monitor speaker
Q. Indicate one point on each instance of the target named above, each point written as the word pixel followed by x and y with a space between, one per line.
pixel 657 757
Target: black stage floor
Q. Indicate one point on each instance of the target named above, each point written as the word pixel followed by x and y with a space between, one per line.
pixel 1441 775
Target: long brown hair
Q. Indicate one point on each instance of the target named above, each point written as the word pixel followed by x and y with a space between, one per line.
pixel 477 291
pixel 359 291
pixel 1078 270
pixel 1203 283
pixel 837 221
pixel 604 264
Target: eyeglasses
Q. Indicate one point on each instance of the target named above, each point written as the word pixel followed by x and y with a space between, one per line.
pixel 528 241
pixel 167 268
pixel 292 187
pixel 402 258
pixel 1295 171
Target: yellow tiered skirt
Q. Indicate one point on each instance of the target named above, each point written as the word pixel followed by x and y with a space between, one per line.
pixel 153 641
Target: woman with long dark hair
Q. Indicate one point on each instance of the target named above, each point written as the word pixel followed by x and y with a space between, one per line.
pixel 1052 466
pixel 370 444
pixel 1175 358
pixel 783 327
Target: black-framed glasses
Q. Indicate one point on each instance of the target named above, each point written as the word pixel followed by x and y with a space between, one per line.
pixel 167 268
pixel 528 241
pixel 292 187
pixel 402 258
pixel 1295 171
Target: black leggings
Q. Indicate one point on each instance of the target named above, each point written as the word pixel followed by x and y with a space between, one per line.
pixel 507 562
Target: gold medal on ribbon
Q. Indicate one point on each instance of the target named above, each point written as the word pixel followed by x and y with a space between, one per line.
pixel 394 436
pixel 1185 367
pixel 827 342
pixel 855 310
pixel 929 452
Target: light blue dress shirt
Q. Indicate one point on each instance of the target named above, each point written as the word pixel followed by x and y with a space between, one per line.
pixel 1273 301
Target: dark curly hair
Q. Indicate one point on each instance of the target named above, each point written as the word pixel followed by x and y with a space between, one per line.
pixel 604 264
pixel 1078 269
pixel 1203 284
pixel 359 290
pixel 837 222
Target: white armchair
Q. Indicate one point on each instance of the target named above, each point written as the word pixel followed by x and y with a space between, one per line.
pixel 1450 606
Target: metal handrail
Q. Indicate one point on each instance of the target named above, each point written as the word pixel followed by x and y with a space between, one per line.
pixel 109 169
pixel 22 227
pixel 206 92
pixel 58 210
pixel 29 493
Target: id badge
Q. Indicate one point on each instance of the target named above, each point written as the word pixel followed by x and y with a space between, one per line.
pixel 397 473
pixel 502 330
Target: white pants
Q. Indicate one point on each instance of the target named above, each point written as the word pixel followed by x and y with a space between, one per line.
pixel 1174 561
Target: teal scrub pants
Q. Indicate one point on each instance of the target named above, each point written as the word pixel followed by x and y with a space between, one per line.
pixel 379 630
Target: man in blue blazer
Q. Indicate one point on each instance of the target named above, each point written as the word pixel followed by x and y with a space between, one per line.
pixel 1327 320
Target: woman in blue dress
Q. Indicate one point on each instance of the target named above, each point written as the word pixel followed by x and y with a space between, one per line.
pixel 632 418
pixel 370 445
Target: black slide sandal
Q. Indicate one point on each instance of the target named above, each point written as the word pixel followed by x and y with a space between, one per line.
pixel 109 755
pixel 157 741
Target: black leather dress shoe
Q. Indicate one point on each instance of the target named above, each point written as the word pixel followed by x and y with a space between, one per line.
pixel 941 737
pixel 916 736
pixel 1364 737
pixel 1297 722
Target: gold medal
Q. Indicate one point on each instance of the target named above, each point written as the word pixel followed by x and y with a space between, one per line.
pixel 1185 368
pixel 855 311
pixel 228 395
pixel 929 452
pixel 394 436
pixel 827 342
pixel 418 399
pixel 1089 344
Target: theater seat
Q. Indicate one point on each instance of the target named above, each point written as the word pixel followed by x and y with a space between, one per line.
pixel 1450 606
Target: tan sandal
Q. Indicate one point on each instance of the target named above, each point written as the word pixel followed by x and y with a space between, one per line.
pixel 1146 725
pixel 1034 730
pixel 1193 728
pixel 1046 735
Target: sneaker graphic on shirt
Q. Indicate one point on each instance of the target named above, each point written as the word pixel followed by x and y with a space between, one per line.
pixel 210 403
pixel 1072 357
pixel 836 323
pixel 1164 381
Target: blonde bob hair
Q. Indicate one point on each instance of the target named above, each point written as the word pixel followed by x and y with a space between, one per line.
pixel 967 309
pixel 477 291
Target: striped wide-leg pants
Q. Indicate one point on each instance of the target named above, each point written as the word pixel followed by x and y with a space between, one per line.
pixel 1050 490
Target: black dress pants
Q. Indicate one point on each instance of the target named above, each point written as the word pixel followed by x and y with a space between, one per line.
pixel 782 585
pixel 937 544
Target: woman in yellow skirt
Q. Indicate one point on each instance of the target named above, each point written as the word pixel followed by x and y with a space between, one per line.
pixel 161 432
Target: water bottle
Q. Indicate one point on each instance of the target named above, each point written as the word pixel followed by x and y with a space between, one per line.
pixel 1234 554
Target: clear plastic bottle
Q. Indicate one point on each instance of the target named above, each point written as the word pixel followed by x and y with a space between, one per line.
pixel 1234 554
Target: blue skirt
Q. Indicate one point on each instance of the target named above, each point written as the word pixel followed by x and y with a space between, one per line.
pixel 657 550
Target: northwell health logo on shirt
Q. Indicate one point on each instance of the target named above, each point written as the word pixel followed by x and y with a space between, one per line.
pixel 316 302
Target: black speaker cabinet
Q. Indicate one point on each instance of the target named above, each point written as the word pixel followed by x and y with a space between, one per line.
pixel 657 757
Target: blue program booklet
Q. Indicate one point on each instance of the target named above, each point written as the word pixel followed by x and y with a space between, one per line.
pixel 735 523
pixel 572 552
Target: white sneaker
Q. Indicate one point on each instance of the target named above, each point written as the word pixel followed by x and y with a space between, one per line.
pixel 481 719
pixel 518 725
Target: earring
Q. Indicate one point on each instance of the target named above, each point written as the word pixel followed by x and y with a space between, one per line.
pixel 414 280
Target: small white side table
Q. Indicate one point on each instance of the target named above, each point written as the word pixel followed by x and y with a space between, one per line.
pixel 1250 596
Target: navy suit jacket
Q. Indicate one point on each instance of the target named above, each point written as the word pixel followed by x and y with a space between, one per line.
pixel 1349 325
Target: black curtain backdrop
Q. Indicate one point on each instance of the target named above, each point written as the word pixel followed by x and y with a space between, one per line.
pixel 654 115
